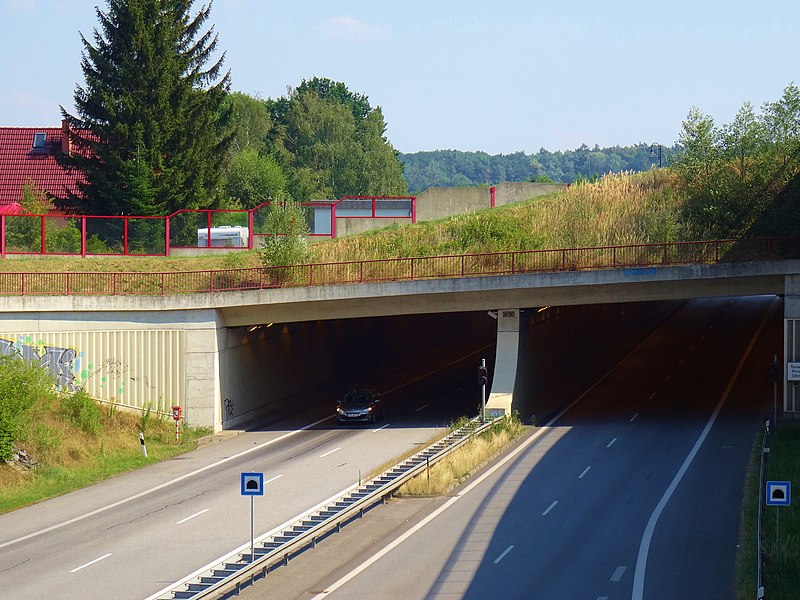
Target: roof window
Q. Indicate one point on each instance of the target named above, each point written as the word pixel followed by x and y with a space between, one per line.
pixel 39 139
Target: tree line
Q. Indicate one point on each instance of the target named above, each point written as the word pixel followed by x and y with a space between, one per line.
pixel 455 168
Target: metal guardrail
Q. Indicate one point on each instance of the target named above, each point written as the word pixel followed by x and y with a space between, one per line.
pixel 241 568
pixel 399 269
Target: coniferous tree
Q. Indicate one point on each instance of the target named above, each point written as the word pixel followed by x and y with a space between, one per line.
pixel 151 130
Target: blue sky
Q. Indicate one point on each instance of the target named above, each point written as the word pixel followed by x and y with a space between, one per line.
pixel 499 76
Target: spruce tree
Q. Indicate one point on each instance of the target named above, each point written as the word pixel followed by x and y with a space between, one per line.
pixel 151 130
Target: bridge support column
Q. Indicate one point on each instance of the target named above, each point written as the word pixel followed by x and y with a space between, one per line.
pixel 202 384
pixel 504 378
pixel 791 347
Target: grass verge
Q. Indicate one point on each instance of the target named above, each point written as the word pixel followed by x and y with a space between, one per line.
pixel 82 459
pixel 459 464
pixel 781 576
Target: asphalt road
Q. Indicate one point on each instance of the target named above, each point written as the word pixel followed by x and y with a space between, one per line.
pixel 135 534
pixel 635 492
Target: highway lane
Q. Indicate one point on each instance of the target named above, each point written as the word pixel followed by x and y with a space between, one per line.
pixel 568 516
pixel 135 534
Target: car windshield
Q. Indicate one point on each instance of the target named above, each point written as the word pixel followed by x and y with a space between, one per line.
pixel 356 397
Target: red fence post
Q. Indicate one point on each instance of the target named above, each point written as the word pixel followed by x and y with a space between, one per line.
pixel 44 248
pixel 333 221
pixel 166 236
pixel 125 236
pixel 493 193
pixel 83 237
pixel 2 236
pixel 413 209
pixel 250 227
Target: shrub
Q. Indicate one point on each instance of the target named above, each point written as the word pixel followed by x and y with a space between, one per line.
pixel 81 411
pixel 23 388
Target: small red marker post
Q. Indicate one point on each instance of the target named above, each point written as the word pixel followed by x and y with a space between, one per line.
pixel 176 414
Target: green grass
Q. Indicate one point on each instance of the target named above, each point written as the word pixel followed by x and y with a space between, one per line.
pixel 782 555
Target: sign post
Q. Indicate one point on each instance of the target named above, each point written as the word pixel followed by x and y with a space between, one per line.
pixel 779 493
pixel 252 485
pixel 176 414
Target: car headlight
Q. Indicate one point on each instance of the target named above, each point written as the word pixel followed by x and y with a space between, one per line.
pixel 339 410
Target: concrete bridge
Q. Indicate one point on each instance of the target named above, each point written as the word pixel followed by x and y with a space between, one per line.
pixel 216 354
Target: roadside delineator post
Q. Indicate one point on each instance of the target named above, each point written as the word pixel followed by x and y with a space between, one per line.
pixel 141 441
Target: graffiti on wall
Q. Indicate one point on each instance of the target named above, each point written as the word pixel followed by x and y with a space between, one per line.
pixel 60 363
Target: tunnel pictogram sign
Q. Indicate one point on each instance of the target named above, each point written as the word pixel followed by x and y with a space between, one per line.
pixel 779 493
pixel 252 484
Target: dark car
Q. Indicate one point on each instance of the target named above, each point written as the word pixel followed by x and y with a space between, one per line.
pixel 360 405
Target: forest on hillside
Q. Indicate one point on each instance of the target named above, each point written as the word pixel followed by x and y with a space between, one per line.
pixel 456 168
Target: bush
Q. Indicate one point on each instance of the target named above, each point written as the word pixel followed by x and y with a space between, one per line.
pixel 81 411
pixel 23 388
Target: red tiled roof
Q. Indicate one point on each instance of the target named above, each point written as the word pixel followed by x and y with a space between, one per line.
pixel 21 162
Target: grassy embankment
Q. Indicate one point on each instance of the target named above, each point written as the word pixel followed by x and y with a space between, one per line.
pixel 781 576
pixel 74 441
pixel 619 209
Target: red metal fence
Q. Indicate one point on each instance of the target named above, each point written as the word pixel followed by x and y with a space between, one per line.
pixel 401 269
pixel 85 235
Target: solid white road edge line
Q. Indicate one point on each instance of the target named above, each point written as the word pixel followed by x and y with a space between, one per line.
pixel 471 486
pixel 423 407
pixel 159 487
pixel 503 555
pixel 197 514
pixel 380 428
pixel 647 538
pixel 329 452
pixel 90 563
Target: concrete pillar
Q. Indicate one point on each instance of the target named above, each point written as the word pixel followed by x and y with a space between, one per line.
pixel 791 341
pixel 203 404
pixel 501 399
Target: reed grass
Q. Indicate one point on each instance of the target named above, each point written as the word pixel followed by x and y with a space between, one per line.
pixel 462 462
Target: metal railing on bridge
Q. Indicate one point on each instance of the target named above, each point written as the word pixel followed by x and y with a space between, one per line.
pixel 401 269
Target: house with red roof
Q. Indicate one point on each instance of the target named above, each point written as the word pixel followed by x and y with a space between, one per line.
pixel 29 154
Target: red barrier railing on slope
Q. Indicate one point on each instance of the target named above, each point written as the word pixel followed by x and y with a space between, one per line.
pixel 401 269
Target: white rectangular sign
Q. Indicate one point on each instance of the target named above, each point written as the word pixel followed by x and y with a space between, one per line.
pixel 793 371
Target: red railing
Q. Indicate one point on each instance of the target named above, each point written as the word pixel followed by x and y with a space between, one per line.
pixel 73 235
pixel 401 269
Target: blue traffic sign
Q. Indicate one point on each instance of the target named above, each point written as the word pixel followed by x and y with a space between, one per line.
pixel 779 493
pixel 252 484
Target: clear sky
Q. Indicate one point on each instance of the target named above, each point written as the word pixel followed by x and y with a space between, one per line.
pixel 498 75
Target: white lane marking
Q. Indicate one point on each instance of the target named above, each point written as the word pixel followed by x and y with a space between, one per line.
pixel 329 452
pixel 379 428
pixel 680 363
pixel 611 443
pixel 602 598
pixel 585 471
pixel 192 517
pixel 503 555
pixel 647 538
pixel 667 378
pixel 551 507
pixel 469 487
pixel 617 576
pixel 692 348
pixel 633 418
pixel 273 479
pixel 653 395
pixel 90 563
pixel 423 407
pixel 161 486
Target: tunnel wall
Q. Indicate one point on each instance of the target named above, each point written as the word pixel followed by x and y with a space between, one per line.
pixel 588 339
